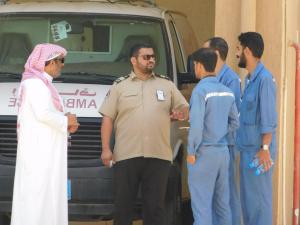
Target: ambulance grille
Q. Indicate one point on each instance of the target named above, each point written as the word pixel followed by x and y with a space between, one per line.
pixel 86 142
pixel 8 137
pixel 83 145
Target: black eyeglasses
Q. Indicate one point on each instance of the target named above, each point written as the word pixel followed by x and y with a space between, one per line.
pixel 62 60
pixel 148 57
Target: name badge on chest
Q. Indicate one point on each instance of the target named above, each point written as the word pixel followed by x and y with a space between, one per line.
pixel 160 95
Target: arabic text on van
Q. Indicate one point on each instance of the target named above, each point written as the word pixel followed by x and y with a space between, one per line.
pixel 71 103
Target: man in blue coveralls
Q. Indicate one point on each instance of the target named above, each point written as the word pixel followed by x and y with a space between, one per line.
pixel 213 114
pixel 230 79
pixel 256 135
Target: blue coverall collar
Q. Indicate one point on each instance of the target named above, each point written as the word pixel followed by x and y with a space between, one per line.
pixel 257 70
pixel 222 72
pixel 210 78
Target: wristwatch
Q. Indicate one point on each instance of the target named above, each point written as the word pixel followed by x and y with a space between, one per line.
pixel 265 147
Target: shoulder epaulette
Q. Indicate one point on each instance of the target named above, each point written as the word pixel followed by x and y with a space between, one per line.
pixel 120 79
pixel 162 76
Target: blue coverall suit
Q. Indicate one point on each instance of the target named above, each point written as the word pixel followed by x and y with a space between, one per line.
pixel 231 80
pixel 258 116
pixel 213 114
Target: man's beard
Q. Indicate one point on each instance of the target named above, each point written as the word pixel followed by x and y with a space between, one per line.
pixel 243 61
pixel 148 69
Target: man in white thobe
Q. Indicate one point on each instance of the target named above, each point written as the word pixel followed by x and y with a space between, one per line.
pixel 40 187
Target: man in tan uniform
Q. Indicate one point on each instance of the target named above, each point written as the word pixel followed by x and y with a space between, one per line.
pixel 139 107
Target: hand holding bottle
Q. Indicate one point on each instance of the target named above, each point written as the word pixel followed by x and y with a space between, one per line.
pixel 259 168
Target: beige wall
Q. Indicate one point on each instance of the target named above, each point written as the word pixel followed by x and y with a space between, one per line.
pixel 292 12
pixel 228 27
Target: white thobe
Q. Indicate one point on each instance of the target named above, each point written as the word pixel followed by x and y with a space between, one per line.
pixel 40 187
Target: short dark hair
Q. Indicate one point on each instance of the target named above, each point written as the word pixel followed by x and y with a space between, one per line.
pixel 207 57
pixel 220 45
pixel 134 51
pixel 254 42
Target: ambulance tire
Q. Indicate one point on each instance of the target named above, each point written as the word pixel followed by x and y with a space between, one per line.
pixel 4 219
pixel 173 208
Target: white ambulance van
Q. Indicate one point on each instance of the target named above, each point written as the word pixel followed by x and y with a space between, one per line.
pixel 98 36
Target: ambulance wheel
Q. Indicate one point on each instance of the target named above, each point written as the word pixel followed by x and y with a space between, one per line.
pixel 4 219
pixel 173 208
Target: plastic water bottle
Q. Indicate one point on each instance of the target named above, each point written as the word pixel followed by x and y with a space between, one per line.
pixel 254 163
pixel 260 169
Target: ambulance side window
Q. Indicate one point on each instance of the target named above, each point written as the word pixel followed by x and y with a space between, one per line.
pixel 177 50
pixel 186 34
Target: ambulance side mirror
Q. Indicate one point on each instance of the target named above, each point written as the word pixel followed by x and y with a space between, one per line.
pixel 186 78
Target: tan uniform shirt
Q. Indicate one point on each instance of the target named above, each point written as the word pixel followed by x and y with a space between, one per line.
pixel 141 114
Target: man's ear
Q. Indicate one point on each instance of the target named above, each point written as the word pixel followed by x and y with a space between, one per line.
pixel 247 52
pixel 133 60
pixel 198 70
pixel 201 67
